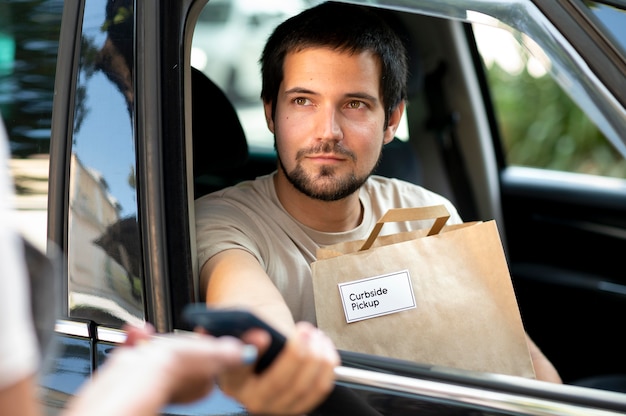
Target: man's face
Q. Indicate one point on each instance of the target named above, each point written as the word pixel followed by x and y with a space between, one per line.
pixel 329 121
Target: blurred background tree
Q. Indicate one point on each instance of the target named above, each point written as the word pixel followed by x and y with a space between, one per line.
pixel 29 38
pixel 540 125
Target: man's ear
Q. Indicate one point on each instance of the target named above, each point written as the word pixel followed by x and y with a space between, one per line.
pixel 267 108
pixel 394 121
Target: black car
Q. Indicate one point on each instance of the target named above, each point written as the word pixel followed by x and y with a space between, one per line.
pixel 517 112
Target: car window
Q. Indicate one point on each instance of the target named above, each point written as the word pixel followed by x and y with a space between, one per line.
pixel 105 273
pixel 545 118
pixel 540 125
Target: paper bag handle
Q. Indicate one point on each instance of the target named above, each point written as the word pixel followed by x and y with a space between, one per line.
pixel 438 212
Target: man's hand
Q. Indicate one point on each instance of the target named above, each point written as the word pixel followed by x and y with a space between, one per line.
pixel 299 379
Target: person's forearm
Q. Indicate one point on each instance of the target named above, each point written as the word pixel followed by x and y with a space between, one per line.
pixel 119 402
pixel 20 399
pixel 232 270
pixel 120 388
pixel 150 372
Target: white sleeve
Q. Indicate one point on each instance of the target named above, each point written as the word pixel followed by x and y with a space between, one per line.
pixel 19 355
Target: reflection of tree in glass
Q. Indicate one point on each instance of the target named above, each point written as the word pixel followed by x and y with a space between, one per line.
pixel 87 70
pixel 114 58
pixel 120 242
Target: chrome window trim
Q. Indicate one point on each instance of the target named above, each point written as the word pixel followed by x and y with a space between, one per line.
pixel 517 403
pixel 81 329
pixel 73 328
pixel 116 336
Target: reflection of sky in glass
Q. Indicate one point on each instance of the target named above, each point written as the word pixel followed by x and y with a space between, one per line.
pixel 613 18
pixel 104 142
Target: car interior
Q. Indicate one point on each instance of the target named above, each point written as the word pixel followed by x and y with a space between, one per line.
pixel 217 163
pixel 444 127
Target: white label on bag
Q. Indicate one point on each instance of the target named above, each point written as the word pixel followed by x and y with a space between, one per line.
pixel 377 296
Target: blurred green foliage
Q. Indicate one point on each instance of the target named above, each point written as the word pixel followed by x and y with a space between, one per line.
pixel 29 40
pixel 543 128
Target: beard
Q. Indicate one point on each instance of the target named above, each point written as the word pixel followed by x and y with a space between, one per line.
pixel 325 185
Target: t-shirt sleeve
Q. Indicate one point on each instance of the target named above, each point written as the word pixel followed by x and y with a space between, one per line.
pixel 222 226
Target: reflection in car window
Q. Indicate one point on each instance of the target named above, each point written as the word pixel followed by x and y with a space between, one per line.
pixel 105 275
pixel 540 125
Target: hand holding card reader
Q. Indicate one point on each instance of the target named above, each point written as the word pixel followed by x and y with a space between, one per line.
pixel 234 322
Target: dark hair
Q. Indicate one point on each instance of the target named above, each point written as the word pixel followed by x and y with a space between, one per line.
pixel 341 27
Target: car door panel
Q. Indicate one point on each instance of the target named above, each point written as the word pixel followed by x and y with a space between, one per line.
pixel 566 237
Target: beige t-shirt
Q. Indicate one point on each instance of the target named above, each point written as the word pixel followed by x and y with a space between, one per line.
pixel 249 216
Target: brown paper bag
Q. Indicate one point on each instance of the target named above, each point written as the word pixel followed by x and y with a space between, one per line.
pixel 440 297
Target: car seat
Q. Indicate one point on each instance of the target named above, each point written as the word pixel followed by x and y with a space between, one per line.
pixel 219 142
pixel 399 161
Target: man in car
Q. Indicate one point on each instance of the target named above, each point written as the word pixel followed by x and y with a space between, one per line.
pixel 333 89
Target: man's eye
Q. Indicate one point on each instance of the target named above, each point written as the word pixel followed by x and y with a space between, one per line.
pixel 300 101
pixel 355 104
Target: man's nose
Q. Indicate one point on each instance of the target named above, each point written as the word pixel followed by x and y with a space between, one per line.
pixel 329 124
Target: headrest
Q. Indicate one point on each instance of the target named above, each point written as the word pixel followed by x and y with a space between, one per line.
pixel 219 142
pixel 416 76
